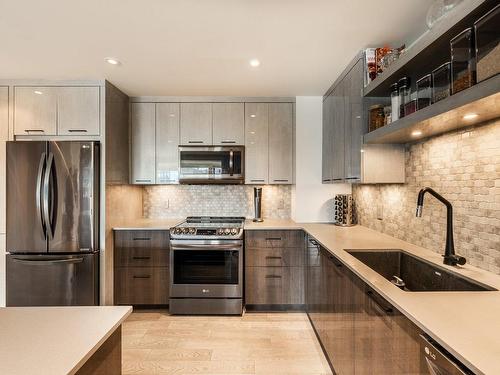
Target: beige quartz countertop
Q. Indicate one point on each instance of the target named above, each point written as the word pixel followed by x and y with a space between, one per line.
pixel 54 340
pixel 467 324
pixel 150 224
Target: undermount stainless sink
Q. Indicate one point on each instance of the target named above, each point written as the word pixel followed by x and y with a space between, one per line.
pixel 414 274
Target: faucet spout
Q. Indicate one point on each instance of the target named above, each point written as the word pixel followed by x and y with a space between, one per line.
pixel 450 258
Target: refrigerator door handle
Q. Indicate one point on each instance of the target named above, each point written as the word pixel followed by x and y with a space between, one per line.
pixel 46 196
pixel 38 194
pixel 39 262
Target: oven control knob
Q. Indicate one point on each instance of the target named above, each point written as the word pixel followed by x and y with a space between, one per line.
pixel 227 231
pixel 234 231
pixel 185 230
pixel 192 230
pixel 178 231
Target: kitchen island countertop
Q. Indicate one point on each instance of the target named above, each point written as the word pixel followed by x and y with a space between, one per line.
pixel 54 340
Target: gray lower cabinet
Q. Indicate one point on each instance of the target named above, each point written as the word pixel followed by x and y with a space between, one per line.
pixel 274 269
pixel 154 143
pixel 141 267
pixel 360 331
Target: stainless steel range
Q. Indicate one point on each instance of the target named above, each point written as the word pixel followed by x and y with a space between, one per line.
pixel 206 266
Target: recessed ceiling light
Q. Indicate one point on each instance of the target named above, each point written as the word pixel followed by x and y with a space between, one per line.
pixel 38 92
pixel 254 63
pixel 112 61
pixel 470 116
pixel 416 133
pixel 253 116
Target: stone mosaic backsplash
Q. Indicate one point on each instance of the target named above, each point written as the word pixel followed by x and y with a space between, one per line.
pixel 177 201
pixel 462 166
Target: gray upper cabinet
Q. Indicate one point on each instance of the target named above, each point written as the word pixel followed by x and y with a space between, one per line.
pixel 355 123
pixel 167 141
pixel 143 153
pixel 256 143
pixel 78 111
pixel 228 124
pixel 196 124
pixel 280 143
pixel 35 110
pixel 327 144
pixel 56 111
pixel 338 132
pixel 345 119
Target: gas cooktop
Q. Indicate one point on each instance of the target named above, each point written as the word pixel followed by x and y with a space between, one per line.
pixel 209 227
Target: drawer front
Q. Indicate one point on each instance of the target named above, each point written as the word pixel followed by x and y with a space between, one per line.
pixel 274 285
pixel 141 257
pixel 274 257
pixel 142 239
pixel 141 286
pixel 274 238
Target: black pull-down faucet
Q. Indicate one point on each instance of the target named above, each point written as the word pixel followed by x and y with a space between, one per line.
pixel 450 258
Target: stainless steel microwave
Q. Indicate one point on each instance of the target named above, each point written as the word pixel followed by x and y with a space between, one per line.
pixel 211 165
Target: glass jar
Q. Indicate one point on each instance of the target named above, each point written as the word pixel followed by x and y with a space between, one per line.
pixel 376 117
pixel 411 107
pixel 487 38
pixel 394 102
pixel 463 72
pixel 441 82
pixel 424 91
pixel 387 115
pixel 404 94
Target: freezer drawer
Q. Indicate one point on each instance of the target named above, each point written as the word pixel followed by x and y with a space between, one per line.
pixel 52 280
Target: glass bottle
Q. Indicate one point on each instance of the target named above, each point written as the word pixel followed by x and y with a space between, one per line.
pixel 394 102
pixel 404 94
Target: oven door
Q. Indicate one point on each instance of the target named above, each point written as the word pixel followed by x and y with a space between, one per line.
pixel 206 269
pixel 215 165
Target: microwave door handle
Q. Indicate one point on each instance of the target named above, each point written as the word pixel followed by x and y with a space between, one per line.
pixel 231 163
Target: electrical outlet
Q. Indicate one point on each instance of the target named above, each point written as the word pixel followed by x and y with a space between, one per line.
pixel 281 204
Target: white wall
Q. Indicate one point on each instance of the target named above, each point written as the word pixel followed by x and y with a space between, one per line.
pixel 312 201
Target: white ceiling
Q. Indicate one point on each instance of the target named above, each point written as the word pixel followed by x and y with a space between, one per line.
pixel 200 47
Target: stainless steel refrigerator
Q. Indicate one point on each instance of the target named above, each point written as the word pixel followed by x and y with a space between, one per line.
pixel 52 223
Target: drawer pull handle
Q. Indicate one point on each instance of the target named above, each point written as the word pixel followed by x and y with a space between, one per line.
pixel 273 239
pixel 142 239
pixel 142 276
pixel 273 257
pixel 34 131
pixel 141 258
pixel 77 131
pixel 273 277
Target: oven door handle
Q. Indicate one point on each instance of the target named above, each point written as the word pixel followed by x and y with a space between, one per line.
pixel 206 247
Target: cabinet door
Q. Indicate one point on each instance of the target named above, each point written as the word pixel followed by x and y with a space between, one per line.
pixel 256 143
pixel 228 124
pixel 4 130
pixel 78 111
pixel 141 285
pixel 35 110
pixel 327 136
pixel 274 285
pixel 354 124
pixel 280 143
pixel 142 143
pixel 338 151
pixel 167 143
pixel 196 124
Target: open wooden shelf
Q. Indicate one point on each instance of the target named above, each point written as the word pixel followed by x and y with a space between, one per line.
pixel 431 50
pixel 445 115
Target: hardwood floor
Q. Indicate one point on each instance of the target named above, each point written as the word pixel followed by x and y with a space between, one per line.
pixel 256 343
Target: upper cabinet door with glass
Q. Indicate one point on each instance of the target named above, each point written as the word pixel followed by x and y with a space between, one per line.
pixel 228 124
